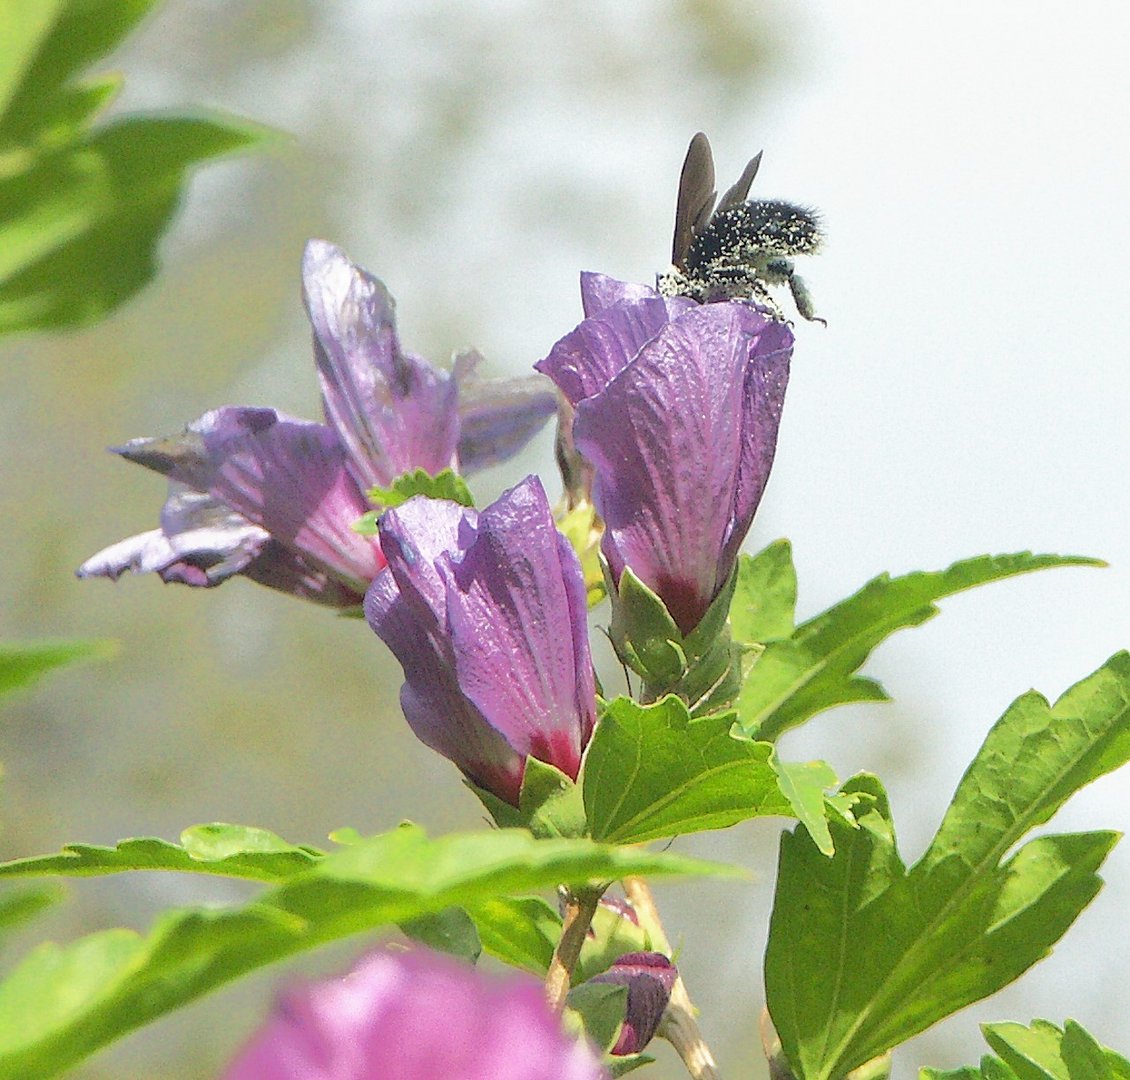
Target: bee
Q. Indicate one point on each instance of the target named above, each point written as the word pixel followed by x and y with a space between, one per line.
pixel 742 247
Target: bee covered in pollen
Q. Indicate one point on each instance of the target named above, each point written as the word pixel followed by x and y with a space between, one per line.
pixel 742 247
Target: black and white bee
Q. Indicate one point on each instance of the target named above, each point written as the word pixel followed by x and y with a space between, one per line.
pixel 741 248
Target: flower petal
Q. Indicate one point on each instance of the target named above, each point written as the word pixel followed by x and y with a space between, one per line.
pixel 486 614
pixel 649 977
pixel 393 411
pixel 415 1016
pixel 667 437
pixel 599 291
pixel 407 607
pixel 286 476
pixel 203 543
pixel 497 417
pixel 517 617
pixel 200 543
pixel 584 361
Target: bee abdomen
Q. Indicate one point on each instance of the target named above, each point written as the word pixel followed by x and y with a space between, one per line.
pixel 754 230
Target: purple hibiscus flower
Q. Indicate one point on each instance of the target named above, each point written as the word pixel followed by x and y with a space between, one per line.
pixel 258 493
pixel 677 409
pixel 486 613
pixel 415 1016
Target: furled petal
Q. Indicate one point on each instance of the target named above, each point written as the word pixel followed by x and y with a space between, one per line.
pixel 286 476
pixel 497 417
pixel 202 543
pixel 486 614
pixel 407 607
pixel 589 357
pixel 517 618
pixel 678 470
pixel 599 291
pixel 620 318
pixel 649 977
pixel 415 1016
pixel 392 411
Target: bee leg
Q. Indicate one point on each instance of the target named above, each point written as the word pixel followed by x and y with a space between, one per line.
pixel 803 299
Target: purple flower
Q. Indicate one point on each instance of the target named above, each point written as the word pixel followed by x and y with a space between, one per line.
pixel 649 977
pixel 486 614
pixel 257 493
pixel 415 1016
pixel 677 408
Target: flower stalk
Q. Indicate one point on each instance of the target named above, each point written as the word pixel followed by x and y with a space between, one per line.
pixel 580 907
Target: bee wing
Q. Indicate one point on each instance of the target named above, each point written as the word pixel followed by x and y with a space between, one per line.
pixel 740 191
pixel 696 197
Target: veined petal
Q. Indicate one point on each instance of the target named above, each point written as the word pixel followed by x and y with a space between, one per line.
pixel 516 613
pixel 392 411
pixel 202 543
pixel 585 360
pixel 666 437
pixel 767 376
pixel 497 417
pixel 287 476
pixel 599 291
pixel 407 607
pixel 415 1016
pixel 486 614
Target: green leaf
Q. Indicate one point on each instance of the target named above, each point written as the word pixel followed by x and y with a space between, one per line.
pixel 446 484
pixel 991 1069
pixel 101 202
pixel 1045 1052
pixel 521 931
pixel 222 850
pixel 64 1002
pixel 49 41
pixel 651 772
pixel 805 785
pixel 864 954
pixel 794 679
pixel 451 931
pixel 21 904
pixel 82 208
pixel 764 603
pixel 21 663
pixel 1040 1052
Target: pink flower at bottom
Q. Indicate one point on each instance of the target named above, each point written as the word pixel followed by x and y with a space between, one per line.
pixel 415 1015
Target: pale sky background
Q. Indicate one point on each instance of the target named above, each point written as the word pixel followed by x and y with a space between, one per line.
pixel 968 396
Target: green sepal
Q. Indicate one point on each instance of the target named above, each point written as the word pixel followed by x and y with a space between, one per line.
pixel 703 668
pixel 613 935
pixel 549 803
pixel 626 1063
pixel 643 633
pixel 578 526
pixel 446 484
pixel 599 1009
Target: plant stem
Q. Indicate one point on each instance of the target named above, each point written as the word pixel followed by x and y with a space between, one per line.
pixel 678 1026
pixel 580 907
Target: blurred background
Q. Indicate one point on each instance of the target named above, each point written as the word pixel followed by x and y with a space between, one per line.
pixel 968 395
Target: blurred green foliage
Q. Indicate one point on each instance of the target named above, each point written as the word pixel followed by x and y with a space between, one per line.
pixel 77 199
